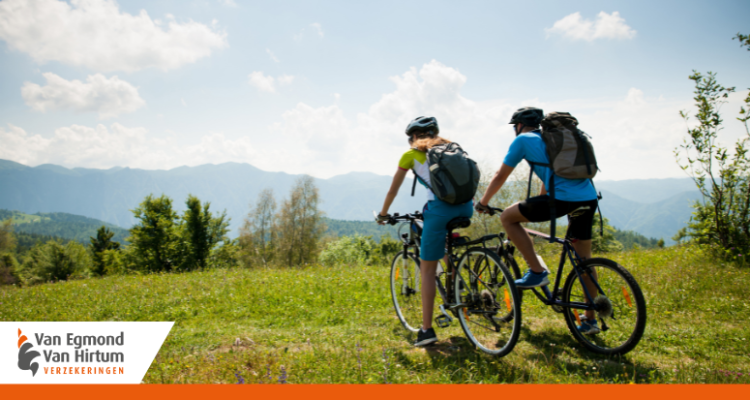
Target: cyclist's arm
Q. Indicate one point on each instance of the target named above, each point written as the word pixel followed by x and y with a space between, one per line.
pixel 496 183
pixel 543 191
pixel 398 179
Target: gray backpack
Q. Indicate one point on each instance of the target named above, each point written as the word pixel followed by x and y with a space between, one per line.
pixel 571 156
pixel 570 152
pixel 454 177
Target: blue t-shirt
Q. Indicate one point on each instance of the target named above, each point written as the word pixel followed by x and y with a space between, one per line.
pixel 529 146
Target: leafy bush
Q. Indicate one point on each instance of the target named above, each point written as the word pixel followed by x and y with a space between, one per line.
pixel 8 269
pixel 225 256
pixel 349 250
pixel 52 261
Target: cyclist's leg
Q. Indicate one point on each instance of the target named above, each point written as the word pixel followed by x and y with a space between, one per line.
pixel 580 222
pixel 511 219
pixel 428 269
pixel 583 248
pixel 437 214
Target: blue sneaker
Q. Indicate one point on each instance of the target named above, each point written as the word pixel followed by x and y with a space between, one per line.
pixel 532 279
pixel 588 327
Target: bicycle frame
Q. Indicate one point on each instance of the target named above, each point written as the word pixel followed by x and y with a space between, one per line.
pixel 569 253
pixel 413 239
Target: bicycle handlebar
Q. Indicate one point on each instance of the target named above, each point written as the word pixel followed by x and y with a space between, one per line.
pixel 395 218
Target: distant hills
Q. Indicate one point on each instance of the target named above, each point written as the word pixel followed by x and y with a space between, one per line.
pixel 46 226
pixel 652 207
pixel 62 225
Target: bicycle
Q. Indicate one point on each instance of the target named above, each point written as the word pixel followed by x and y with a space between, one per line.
pixel 481 294
pixel 619 303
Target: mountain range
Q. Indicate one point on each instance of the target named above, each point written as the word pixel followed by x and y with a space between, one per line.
pixel 652 207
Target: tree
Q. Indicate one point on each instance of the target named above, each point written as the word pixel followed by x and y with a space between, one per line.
pixel 201 232
pixel 154 237
pixel 258 233
pixel 8 263
pixel 98 246
pixel 606 243
pixel 300 224
pixel 721 175
pixel 7 240
pixel 53 261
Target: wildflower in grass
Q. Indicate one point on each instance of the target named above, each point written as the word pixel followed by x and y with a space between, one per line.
pixel 282 378
pixel 268 373
pixel 240 379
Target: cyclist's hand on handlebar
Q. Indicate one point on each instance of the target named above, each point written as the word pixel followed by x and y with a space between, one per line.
pixel 383 219
pixel 482 209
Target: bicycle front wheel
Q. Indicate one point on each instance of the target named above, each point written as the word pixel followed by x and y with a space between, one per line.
pixel 488 304
pixel 621 317
pixel 406 290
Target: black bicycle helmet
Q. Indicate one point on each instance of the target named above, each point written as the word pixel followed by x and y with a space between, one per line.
pixel 529 116
pixel 423 125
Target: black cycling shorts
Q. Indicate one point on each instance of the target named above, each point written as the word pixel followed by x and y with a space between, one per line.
pixel 580 214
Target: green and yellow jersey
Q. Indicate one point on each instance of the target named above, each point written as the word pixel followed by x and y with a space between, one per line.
pixel 417 161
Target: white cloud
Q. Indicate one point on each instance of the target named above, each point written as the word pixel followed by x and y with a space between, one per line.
pixel 95 34
pixel 634 134
pixel 273 56
pixel 102 147
pixel 109 97
pixel 183 102
pixel 262 82
pixel 606 26
pixel 268 83
pixel 316 27
pixel 285 79
pixel 325 143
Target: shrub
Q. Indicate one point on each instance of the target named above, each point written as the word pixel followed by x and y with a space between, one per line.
pixel 8 269
pixel 349 250
pixel 52 261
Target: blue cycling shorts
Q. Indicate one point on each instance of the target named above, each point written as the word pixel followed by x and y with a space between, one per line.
pixel 437 214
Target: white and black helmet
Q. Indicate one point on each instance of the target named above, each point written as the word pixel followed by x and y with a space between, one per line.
pixel 427 125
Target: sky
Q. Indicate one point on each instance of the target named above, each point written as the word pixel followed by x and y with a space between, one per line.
pixel 328 87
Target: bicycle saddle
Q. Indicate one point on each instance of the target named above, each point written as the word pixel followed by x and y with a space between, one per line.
pixel 460 222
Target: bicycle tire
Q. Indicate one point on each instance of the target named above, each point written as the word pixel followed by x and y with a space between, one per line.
pixel 487 303
pixel 406 290
pixel 625 327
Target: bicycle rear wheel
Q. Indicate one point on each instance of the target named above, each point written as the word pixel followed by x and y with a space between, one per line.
pixel 489 304
pixel 406 290
pixel 622 316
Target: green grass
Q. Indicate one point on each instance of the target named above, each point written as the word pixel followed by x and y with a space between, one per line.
pixel 337 325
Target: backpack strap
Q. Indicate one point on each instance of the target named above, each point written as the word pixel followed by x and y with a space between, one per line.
pixel 601 220
pixel 585 154
pixel 414 185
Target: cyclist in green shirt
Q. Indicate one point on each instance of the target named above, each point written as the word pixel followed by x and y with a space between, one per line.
pixel 423 135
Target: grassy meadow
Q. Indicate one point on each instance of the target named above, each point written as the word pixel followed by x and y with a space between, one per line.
pixel 336 325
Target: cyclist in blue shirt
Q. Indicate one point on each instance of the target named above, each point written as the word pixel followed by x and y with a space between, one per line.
pixel 575 198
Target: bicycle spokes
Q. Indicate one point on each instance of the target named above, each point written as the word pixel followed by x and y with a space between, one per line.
pixel 481 283
pixel 620 309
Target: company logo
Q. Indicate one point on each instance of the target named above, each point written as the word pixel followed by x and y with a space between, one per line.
pixel 25 355
pixel 78 352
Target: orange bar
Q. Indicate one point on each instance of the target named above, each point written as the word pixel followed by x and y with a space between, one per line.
pixel 379 392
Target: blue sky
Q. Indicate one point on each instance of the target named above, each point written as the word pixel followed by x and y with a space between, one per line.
pixel 327 87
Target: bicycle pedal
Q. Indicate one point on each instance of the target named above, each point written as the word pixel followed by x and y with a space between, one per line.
pixel 445 317
pixel 443 321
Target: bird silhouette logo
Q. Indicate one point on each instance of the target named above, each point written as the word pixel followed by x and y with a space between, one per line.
pixel 26 355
